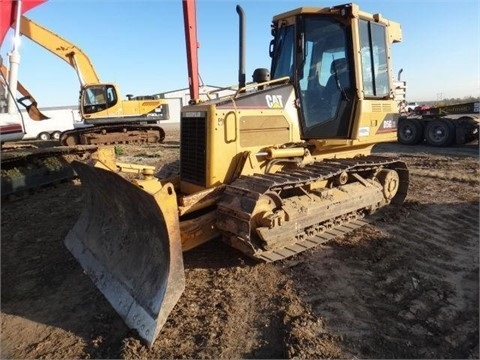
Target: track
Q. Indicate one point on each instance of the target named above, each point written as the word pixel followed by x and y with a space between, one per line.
pixel 274 216
pixel 113 134
pixel 25 169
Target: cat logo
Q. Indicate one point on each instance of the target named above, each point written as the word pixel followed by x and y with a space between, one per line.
pixel 274 101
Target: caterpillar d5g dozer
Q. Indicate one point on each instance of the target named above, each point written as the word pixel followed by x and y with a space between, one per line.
pixel 277 168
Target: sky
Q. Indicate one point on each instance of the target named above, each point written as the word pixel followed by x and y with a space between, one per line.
pixel 140 45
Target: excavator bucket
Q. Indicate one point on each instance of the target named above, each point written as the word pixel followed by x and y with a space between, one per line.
pixel 32 109
pixel 128 241
pixel 35 113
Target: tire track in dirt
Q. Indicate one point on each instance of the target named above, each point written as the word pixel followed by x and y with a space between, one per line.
pixel 444 256
pixel 229 310
pixel 403 288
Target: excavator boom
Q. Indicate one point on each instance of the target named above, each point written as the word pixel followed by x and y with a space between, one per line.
pixel 68 52
pixel 64 49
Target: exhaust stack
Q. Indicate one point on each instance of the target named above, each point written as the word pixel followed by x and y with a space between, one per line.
pixel 241 50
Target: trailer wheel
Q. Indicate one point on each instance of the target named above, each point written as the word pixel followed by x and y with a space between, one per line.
pixel 409 132
pixel 468 129
pixel 440 132
pixel 55 135
pixel 45 136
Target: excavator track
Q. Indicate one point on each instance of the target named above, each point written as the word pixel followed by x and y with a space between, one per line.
pixel 26 169
pixel 270 217
pixel 113 134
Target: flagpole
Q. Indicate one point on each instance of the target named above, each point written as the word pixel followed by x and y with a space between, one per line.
pixel 14 60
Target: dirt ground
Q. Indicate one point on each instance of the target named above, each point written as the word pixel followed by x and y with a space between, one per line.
pixel 405 286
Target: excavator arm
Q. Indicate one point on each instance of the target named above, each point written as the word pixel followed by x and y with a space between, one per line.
pixel 33 111
pixel 62 48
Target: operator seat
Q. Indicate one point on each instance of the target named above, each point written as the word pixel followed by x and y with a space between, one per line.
pixel 314 92
pixel 326 113
pixel 337 84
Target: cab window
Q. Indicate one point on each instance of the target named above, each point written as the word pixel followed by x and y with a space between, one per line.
pixel 98 98
pixel 282 56
pixel 111 96
pixel 325 79
pixel 374 59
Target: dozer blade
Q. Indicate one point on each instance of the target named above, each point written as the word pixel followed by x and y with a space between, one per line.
pixel 128 242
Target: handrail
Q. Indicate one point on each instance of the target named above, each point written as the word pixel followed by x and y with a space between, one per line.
pixel 248 86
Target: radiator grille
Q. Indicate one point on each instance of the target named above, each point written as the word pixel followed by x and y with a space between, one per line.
pixel 193 150
pixel 381 107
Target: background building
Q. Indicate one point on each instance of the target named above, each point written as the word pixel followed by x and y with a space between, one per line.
pixel 181 97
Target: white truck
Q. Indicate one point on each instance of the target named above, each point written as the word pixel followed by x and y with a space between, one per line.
pixel 61 118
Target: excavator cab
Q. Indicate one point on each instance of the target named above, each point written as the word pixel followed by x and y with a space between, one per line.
pixel 95 98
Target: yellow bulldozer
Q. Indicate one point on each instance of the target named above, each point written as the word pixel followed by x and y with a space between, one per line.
pixel 279 167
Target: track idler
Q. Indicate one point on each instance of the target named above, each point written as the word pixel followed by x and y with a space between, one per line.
pixel 128 242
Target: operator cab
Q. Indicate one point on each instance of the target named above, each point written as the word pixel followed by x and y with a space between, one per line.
pixel 315 48
pixel 96 98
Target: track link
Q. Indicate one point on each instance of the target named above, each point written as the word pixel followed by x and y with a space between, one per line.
pixel 113 134
pixel 273 216
pixel 27 169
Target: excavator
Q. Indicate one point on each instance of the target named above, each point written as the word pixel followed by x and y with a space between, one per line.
pixel 25 166
pixel 279 167
pixel 113 120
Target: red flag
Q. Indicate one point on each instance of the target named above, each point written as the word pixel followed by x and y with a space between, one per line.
pixel 8 9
